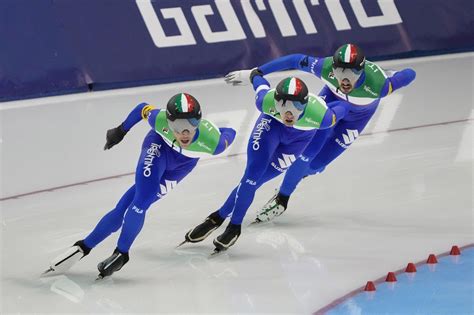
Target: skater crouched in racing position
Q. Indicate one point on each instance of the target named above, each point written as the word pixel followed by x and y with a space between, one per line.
pixel 169 152
pixel 350 80
pixel 290 117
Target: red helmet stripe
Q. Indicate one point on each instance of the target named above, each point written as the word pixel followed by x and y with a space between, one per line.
pixel 298 87
pixel 353 53
pixel 190 102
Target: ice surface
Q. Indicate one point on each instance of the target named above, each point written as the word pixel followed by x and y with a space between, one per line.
pixel 392 198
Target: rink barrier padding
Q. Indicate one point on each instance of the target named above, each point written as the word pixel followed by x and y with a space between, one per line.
pixel 59 47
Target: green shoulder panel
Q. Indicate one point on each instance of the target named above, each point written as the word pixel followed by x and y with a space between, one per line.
pixel 162 128
pixel 206 142
pixel 268 105
pixel 370 89
pixel 313 114
pixel 374 81
pixel 312 117
pixel 208 138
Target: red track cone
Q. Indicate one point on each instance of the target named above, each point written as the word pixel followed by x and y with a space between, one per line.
pixel 455 251
pixel 432 259
pixel 391 277
pixel 410 267
pixel 370 286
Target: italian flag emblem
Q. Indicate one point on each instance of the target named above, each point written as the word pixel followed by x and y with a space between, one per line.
pixel 292 86
pixel 185 103
pixel 348 53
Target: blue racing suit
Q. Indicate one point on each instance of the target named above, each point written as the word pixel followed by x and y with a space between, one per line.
pixel 161 166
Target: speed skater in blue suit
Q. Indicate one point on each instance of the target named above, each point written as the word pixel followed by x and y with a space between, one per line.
pixel 290 117
pixel 350 81
pixel 170 151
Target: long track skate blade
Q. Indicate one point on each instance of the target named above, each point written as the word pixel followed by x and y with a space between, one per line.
pixel 257 221
pixel 47 272
pixel 182 243
pixel 216 253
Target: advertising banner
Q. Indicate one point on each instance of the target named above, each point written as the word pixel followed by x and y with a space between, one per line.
pixel 51 47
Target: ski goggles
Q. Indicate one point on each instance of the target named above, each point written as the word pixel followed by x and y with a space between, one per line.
pixel 182 124
pixel 347 73
pixel 294 107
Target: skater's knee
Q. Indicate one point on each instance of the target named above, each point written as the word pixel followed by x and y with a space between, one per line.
pixel 143 201
pixel 254 171
pixel 249 181
pixel 137 208
pixel 318 165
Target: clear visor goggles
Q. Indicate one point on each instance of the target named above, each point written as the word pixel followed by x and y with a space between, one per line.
pixel 183 124
pixel 294 107
pixel 347 73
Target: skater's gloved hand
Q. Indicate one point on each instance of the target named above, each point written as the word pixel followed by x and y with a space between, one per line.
pixel 240 77
pixel 114 136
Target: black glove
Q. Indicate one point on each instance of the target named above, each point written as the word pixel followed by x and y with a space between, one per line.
pixel 255 72
pixel 114 136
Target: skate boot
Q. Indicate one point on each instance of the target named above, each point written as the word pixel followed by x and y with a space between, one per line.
pixel 203 230
pixel 112 264
pixel 65 261
pixel 228 238
pixel 273 208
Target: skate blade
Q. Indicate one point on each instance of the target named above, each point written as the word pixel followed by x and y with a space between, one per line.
pixel 52 272
pixel 182 243
pixel 257 221
pixel 99 277
pixel 49 271
pixel 216 253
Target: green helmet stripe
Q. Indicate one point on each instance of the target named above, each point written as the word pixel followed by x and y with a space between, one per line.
pixel 348 53
pixel 292 86
pixel 178 103
pixel 286 86
pixel 184 103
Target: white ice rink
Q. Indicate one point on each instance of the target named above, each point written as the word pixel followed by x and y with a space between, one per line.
pixel 402 191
